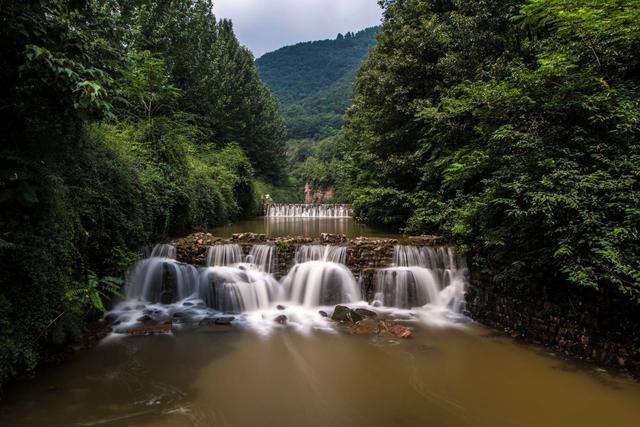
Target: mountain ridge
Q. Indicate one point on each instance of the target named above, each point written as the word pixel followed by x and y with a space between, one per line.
pixel 313 80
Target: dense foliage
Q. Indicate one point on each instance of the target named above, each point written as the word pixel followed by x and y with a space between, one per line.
pixel 124 122
pixel 513 127
pixel 313 81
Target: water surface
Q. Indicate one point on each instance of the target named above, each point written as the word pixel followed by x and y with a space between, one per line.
pixel 313 227
pixel 308 372
pixel 460 375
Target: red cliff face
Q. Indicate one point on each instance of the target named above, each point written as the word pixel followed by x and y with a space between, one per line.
pixel 320 194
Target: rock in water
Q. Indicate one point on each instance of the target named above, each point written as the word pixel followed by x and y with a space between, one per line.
pixel 146 320
pixel 224 320
pixel 396 330
pixel 282 319
pixel 366 313
pixel 340 313
pixel 165 328
pixel 344 314
pixel 354 316
pixel 367 327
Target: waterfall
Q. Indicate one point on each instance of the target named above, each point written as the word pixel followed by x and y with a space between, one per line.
pixel 263 257
pixel 315 283
pixel 160 278
pixel 228 284
pixel 405 256
pixel 159 289
pixel 308 211
pixel 421 276
pixel 237 289
pixel 326 253
pixel 163 251
pixel 220 255
pixel 320 277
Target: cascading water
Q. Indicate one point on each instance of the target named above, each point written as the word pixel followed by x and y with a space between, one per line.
pixel 237 289
pixel 160 278
pixel 308 211
pixel 320 277
pixel 421 276
pixel 328 253
pixel 162 291
pixel 163 251
pixel 230 285
pixel 224 255
pixel 263 257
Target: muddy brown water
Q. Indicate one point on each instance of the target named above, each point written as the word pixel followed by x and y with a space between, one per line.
pixel 444 376
pixel 313 227
pixel 448 374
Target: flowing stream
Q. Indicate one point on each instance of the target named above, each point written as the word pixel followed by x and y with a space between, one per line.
pixel 242 348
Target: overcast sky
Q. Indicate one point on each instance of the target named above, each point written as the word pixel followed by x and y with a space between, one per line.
pixel 266 25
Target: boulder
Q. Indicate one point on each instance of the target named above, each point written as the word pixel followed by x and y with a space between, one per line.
pixel 146 320
pixel 162 329
pixel 282 319
pixel 366 313
pixel 344 314
pixel 225 320
pixel 367 327
pixel 394 329
pixel 340 313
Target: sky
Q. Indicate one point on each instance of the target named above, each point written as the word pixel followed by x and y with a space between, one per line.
pixel 266 25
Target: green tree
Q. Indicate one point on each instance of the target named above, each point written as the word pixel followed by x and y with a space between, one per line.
pixel 146 85
pixel 510 127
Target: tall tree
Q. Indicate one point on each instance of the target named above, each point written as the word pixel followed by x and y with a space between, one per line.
pixel 511 127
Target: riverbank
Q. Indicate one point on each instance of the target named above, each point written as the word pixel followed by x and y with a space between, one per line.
pixel 594 326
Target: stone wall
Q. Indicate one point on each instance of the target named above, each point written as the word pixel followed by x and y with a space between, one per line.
pixel 364 255
pixel 595 326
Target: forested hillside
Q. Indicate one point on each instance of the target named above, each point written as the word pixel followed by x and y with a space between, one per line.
pixel 513 128
pixel 125 122
pixel 313 80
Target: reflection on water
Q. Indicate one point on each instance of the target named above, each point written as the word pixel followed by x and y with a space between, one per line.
pixel 313 227
pixel 442 377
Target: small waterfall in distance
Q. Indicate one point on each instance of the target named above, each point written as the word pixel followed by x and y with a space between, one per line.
pixel 308 211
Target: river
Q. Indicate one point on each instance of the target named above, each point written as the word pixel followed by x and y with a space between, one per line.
pixel 452 372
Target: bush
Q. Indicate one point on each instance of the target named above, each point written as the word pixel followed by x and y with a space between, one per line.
pixel 382 206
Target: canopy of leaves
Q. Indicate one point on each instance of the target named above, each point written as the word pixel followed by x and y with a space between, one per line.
pixel 513 128
pixel 124 122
